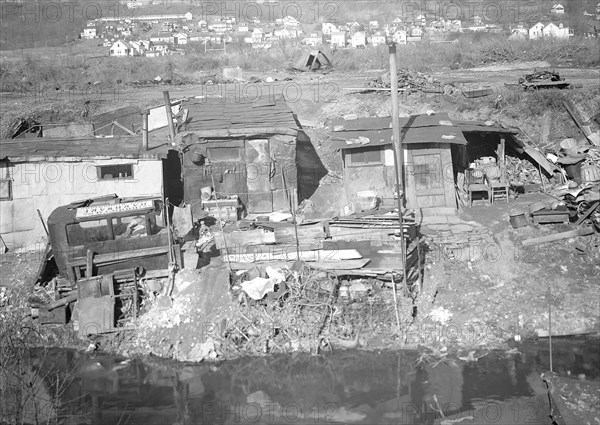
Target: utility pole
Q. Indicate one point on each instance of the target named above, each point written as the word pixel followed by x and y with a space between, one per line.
pixel 398 153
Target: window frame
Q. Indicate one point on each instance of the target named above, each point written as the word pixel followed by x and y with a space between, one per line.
pixel 380 162
pixel 5 177
pixel 117 166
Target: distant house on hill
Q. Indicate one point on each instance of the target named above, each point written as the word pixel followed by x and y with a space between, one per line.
pixel 557 31
pixel 338 39
pixel 400 37
pixel 89 32
pixel 122 48
pixel 558 9
pixel 536 31
pixel 359 39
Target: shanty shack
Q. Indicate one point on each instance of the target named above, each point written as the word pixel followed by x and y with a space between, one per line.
pixel 368 157
pixel 239 151
pixel 42 174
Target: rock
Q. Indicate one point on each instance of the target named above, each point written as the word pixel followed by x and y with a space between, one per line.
pixel 439 227
pixel 461 228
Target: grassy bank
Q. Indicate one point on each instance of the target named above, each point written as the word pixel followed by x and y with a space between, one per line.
pixel 27 72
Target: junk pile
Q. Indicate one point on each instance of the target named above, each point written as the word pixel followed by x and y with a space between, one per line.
pixel 521 172
pixel 543 79
pixel 299 308
pixel 412 81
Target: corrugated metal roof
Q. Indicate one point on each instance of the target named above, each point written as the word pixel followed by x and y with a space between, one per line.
pixel 70 149
pixel 237 113
pixel 438 128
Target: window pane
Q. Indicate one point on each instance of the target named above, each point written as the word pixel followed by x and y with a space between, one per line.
pixel 129 227
pixel 5 186
pixel 116 171
pixel 365 156
pixel 88 231
pixel 224 154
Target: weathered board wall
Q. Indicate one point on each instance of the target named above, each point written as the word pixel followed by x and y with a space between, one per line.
pixel 428 170
pixel 48 185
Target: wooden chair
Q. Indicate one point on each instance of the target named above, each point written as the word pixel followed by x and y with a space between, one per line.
pixel 498 183
pixel 477 182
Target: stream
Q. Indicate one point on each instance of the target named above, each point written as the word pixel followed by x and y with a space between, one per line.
pixel 65 386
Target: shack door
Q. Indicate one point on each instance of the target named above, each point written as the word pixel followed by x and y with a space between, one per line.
pixel 427 184
pixel 258 170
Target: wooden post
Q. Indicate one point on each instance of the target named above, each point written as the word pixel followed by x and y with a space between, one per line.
pixel 145 129
pixel 169 114
pixel 399 154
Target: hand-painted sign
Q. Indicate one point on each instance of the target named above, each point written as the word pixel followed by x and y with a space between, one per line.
pixel 105 209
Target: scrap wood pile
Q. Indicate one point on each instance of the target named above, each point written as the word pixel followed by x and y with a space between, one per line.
pixel 413 81
pixel 521 172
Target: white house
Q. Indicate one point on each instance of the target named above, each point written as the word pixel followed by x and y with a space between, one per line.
pixel 314 39
pixel 134 4
pixel 35 177
pixel 536 31
pixel 400 37
pixel 290 21
pixel 122 48
pixel 327 28
pixel 338 39
pixel 188 16
pixel 558 9
pixel 373 25
pixel 89 32
pixel 258 35
pixel 139 47
pixel 359 39
pixel 180 38
pixel 378 39
pixel 557 31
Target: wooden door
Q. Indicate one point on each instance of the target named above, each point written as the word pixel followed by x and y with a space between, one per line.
pixel 428 185
pixel 258 171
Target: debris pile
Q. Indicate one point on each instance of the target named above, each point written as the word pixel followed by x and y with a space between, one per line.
pixel 543 79
pixel 521 172
pixel 414 81
pixel 305 309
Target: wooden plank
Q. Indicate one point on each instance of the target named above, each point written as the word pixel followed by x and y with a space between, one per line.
pixel 305 233
pixel 540 159
pixel 340 265
pixel 584 231
pixel 291 255
pixel 100 259
pixel 244 238
pixel 89 263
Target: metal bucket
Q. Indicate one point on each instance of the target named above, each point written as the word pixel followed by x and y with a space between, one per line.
pixel 518 219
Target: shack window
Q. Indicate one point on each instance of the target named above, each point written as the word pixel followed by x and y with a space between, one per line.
pixel 88 231
pixel 5 182
pixel 365 156
pixel 225 154
pixel 119 171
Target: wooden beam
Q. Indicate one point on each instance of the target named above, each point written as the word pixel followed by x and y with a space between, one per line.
pixel 316 255
pixel 122 127
pixel 584 231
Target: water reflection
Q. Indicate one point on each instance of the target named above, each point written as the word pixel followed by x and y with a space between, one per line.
pixel 345 387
